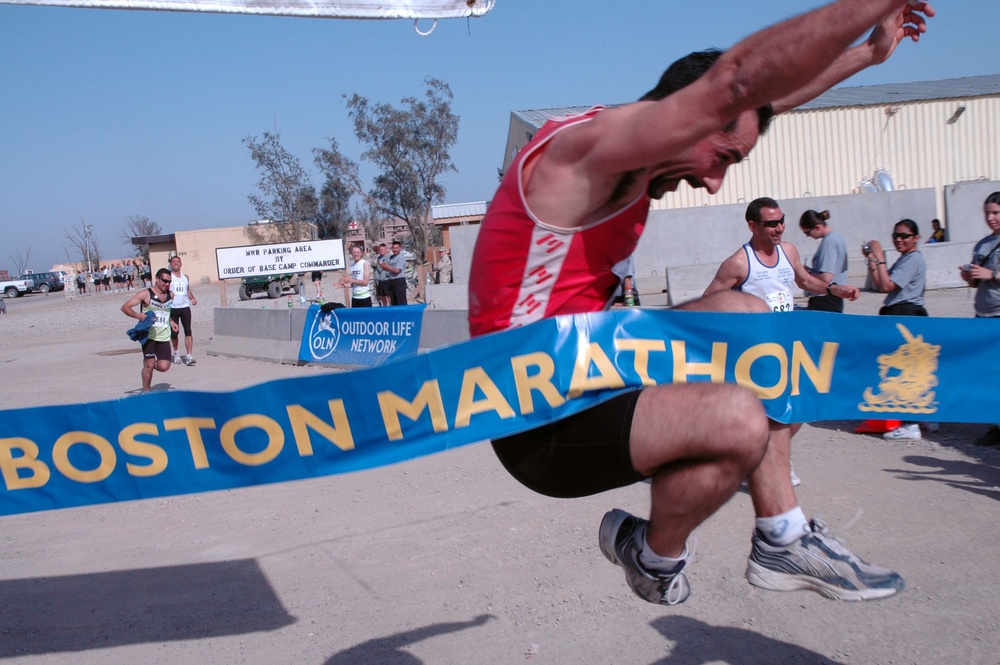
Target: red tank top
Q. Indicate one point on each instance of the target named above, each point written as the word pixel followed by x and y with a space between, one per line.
pixel 524 270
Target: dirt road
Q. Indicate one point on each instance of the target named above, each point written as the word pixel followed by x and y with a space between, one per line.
pixel 447 560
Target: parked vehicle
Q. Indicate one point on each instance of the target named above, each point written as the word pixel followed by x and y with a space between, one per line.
pixel 46 281
pixel 273 285
pixel 15 288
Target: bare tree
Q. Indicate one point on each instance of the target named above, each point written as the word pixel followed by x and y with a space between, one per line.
pixel 20 261
pixel 81 238
pixel 287 196
pixel 410 148
pixel 138 226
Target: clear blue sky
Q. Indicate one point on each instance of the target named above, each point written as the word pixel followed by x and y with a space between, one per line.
pixel 106 114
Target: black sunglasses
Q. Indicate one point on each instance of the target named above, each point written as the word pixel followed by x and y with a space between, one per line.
pixel 165 281
pixel 902 236
pixel 773 223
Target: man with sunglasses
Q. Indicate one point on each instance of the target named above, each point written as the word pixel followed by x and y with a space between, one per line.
pixel 788 549
pixel 154 303
pixel 573 204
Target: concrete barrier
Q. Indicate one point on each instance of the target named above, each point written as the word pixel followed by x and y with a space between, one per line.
pixel 273 335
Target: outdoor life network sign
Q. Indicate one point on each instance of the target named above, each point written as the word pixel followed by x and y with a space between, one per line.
pixel 279 258
pixel 361 335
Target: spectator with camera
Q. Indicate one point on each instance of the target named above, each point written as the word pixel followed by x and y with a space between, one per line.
pixel 904 283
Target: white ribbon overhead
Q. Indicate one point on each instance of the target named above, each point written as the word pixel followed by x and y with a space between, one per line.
pixel 371 9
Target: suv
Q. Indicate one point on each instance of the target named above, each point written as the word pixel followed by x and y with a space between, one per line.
pixel 46 281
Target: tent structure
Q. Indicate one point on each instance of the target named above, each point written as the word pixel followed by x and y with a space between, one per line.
pixel 356 9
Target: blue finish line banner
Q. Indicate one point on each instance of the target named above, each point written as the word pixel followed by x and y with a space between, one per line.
pixel 805 366
pixel 367 336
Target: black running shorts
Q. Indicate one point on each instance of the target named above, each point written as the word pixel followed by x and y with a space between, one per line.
pixel 583 454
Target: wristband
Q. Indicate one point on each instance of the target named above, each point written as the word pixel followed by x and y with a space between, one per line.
pixel 828 292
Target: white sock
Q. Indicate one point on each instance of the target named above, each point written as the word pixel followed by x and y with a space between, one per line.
pixel 653 561
pixel 783 529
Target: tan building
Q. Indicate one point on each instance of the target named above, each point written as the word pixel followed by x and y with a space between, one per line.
pixel 926 134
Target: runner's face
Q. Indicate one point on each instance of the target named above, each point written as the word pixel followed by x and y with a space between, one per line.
pixel 992 213
pixel 764 235
pixel 704 165
pixel 175 264
pixel 356 253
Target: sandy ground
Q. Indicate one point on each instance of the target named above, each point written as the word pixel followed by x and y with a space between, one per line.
pixel 447 560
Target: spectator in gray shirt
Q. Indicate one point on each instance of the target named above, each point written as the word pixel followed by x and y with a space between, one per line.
pixel 983 274
pixel 904 282
pixel 829 263
pixel 395 267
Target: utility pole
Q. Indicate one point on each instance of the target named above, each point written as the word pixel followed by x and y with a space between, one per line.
pixel 88 229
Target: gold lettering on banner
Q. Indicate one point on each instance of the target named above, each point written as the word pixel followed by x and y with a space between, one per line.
pixel 752 355
pixel 641 348
pixel 338 433
pixel 105 451
pixel 907 376
pixel 131 446
pixel 468 406
pixel 192 427
pixel 275 439
pixel 429 398
pixel 541 381
pixel 36 471
pixel 716 368
pixel 821 375
pixel 607 376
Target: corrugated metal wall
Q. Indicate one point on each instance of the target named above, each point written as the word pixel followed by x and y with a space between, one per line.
pixel 828 152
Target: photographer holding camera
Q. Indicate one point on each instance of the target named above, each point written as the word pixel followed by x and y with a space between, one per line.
pixel 904 282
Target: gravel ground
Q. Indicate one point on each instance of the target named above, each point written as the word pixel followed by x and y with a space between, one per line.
pixel 445 559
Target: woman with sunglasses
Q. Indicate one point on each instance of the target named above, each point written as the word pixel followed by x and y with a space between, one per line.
pixel 904 282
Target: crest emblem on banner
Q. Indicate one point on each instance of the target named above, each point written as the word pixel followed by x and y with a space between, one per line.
pixel 907 375
pixel 324 335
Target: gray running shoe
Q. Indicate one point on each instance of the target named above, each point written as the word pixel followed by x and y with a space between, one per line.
pixel 821 563
pixel 189 359
pixel 621 538
pixel 177 358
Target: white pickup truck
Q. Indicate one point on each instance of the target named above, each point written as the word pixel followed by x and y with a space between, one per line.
pixel 14 288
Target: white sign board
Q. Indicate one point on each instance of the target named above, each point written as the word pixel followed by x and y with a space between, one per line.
pixel 281 258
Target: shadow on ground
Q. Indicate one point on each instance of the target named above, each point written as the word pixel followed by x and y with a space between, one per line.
pixel 388 650
pixel 698 643
pixel 976 477
pixel 102 610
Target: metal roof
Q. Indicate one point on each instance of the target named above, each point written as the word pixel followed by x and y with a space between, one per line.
pixel 869 95
pixel 918 91
pixel 449 210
